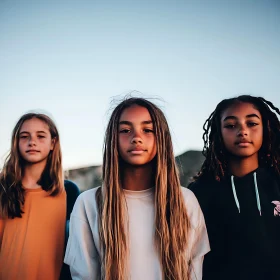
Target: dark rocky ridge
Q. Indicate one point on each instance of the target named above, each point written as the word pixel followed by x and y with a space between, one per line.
pixel 89 177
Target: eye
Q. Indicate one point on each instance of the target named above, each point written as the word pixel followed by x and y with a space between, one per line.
pixel 148 130
pixel 23 137
pixel 230 126
pixel 251 124
pixel 41 136
pixel 124 130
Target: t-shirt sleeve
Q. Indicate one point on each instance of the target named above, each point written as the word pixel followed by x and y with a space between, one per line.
pixel 200 248
pixel 81 254
pixel 200 242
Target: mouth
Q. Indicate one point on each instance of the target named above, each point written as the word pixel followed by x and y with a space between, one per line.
pixel 32 151
pixel 137 151
pixel 243 143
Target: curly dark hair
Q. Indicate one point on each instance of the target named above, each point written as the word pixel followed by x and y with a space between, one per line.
pixel 215 163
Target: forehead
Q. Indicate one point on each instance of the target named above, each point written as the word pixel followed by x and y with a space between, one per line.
pixel 240 110
pixel 135 113
pixel 34 124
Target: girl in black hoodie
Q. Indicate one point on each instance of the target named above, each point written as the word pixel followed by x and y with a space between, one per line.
pixel 238 188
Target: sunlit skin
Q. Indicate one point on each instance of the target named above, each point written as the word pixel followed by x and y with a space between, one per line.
pixel 137 147
pixel 35 144
pixel 242 133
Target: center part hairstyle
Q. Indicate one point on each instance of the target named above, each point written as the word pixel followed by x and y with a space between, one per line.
pixel 11 191
pixel 216 156
pixel 171 220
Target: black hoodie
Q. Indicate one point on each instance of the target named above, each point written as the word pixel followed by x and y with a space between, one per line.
pixel 244 234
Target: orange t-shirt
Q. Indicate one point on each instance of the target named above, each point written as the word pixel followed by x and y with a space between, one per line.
pixel 32 247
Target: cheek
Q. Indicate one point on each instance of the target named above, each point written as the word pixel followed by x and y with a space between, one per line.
pixel 226 137
pixel 257 135
pixel 21 144
pixel 154 147
pixel 260 137
pixel 21 148
pixel 122 143
pixel 52 144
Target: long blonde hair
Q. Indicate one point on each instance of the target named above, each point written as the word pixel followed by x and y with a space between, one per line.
pixel 171 220
pixel 11 191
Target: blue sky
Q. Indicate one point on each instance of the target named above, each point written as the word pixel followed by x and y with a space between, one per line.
pixel 69 58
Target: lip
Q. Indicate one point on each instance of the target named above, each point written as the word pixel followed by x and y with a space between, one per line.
pixel 137 151
pixel 243 142
pixel 32 151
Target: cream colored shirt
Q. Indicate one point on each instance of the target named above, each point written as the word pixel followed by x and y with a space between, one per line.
pixel 83 250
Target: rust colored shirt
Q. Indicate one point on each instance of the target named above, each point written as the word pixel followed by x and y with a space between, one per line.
pixel 32 247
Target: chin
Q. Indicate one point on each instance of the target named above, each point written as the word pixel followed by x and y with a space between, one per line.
pixel 33 161
pixel 139 163
pixel 243 155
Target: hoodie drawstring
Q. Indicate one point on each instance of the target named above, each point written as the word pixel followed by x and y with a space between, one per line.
pixel 256 191
pixel 234 194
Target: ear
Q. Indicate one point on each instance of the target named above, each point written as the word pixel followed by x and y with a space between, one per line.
pixel 53 143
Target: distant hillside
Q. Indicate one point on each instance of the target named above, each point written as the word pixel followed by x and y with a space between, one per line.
pixel 189 164
pixel 89 177
pixel 86 178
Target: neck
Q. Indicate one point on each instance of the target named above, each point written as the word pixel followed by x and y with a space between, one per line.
pixel 32 174
pixel 241 167
pixel 137 178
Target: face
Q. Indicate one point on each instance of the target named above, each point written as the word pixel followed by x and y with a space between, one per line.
pixel 242 130
pixel 136 137
pixel 35 142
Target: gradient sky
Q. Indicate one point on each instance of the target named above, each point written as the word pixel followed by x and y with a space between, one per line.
pixel 69 58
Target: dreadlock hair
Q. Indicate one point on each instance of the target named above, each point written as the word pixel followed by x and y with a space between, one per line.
pixel 11 191
pixel 215 164
pixel 171 220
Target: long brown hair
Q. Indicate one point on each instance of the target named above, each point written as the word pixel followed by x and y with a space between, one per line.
pixel 215 165
pixel 11 191
pixel 171 220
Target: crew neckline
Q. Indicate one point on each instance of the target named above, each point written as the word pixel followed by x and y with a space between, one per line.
pixel 32 190
pixel 138 194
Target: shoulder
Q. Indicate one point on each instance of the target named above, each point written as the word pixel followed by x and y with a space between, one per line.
pixel 205 188
pixel 71 188
pixel 193 207
pixel 72 192
pixel 188 195
pixel 201 184
pixel 87 197
pixel 270 180
pixel 85 205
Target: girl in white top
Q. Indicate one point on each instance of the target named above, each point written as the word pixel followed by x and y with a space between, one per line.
pixel 141 224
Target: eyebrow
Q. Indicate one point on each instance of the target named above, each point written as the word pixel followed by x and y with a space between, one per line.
pixel 235 118
pixel 41 131
pixel 130 123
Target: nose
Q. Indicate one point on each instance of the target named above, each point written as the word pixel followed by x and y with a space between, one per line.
pixel 136 139
pixel 32 141
pixel 242 131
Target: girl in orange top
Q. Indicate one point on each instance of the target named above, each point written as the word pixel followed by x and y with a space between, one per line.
pixel 32 202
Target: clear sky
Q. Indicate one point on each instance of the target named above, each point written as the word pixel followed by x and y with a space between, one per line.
pixel 70 58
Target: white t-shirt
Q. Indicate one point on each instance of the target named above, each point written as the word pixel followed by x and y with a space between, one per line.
pixel 83 249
